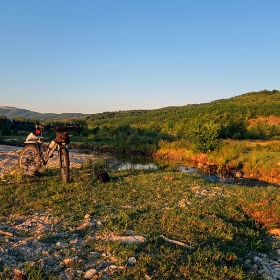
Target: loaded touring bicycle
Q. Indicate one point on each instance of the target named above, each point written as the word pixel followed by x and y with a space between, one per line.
pixel 36 153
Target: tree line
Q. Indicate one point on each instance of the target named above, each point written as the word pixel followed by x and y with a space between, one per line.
pixel 241 117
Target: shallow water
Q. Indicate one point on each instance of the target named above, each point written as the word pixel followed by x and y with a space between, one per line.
pixel 131 166
pixel 133 162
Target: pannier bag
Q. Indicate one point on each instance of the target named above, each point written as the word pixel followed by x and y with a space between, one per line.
pixel 62 137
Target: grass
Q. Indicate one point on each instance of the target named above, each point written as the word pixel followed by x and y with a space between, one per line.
pixel 226 224
pixel 259 159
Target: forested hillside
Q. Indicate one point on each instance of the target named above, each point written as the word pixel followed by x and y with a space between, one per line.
pixel 234 116
pixel 253 115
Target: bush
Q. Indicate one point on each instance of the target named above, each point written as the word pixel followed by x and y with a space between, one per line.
pixel 205 136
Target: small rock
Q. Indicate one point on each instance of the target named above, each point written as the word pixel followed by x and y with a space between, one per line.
pixel 74 241
pixel 131 261
pixel 87 216
pixel 19 275
pixel 85 225
pixel 130 239
pixel 90 273
pixel 68 262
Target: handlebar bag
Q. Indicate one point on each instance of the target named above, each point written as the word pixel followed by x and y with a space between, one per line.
pixel 62 137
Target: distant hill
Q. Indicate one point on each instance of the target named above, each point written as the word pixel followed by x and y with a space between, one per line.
pixel 247 106
pixel 253 114
pixel 12 113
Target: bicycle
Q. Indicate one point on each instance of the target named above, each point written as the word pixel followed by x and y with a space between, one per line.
pixel 36 153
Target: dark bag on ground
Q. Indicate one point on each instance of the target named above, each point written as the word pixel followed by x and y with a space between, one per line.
pixel 103 176
pixel 62 137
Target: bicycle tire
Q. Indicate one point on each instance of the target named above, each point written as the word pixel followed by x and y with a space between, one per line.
pixel 64 164
pixel 29 160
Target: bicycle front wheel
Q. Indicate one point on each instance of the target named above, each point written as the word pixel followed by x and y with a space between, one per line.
pixel 64 164
pixel 29 160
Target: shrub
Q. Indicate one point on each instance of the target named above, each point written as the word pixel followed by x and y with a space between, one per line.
pixel 205 136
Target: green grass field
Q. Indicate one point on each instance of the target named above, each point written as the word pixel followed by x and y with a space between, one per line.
pixel 225 225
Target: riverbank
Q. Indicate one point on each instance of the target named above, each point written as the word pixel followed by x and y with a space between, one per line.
pixel 251 160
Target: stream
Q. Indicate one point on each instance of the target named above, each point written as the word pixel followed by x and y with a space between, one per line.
pixel 140 162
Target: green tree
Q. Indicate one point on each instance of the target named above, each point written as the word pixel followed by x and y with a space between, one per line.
pixel 205 136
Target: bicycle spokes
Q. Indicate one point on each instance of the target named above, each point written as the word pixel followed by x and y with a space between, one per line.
pixel 29 160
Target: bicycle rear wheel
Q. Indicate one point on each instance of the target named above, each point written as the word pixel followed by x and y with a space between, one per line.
pixel 29 160
pixel 64 164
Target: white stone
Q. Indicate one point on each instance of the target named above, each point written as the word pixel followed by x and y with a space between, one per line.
pixel 129 239
pixel 131 261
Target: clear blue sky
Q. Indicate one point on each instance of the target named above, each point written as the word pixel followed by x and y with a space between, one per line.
pixel 92 56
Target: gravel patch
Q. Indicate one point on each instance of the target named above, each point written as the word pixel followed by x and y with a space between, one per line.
pixel 9 158
pixel 58 248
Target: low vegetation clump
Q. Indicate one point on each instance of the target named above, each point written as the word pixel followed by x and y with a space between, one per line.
pixel 191 228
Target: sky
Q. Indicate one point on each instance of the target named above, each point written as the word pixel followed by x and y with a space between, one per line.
pixel 94 56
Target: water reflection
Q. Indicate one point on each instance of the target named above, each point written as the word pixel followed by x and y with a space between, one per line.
pixel 131 166
pixel 133 162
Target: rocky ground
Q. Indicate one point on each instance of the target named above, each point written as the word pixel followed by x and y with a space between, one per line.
pixel 40 240
pixel 62 250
